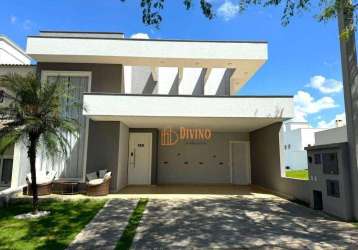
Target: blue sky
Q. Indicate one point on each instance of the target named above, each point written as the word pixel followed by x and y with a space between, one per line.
pixel 304 57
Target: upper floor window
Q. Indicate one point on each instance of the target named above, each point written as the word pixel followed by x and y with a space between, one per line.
pixel 330 163
pixel 317 158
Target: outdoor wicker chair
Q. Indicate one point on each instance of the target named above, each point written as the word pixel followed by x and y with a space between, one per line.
pixel 98 186
pixel 44 181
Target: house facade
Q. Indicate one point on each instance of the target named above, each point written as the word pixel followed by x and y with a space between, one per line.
pixel 297 136
pixel 332 135
pixel 165 111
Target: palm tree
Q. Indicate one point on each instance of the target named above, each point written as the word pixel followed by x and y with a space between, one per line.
pixel 35 116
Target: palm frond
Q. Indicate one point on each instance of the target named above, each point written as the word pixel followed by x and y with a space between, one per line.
pixel 38 107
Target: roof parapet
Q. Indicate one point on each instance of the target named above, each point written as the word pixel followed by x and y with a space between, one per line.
pixel 74 34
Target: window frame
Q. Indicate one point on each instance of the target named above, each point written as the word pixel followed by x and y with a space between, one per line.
pixel 2 158
pixel 74 73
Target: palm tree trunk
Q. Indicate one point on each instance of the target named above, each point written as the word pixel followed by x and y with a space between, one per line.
pixel 31 153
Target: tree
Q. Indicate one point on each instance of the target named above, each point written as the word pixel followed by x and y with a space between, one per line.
pixel 328 9
pixel 34 116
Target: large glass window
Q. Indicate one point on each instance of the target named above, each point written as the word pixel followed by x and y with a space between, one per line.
pixel 6 172
pixel 2 93
pixel 72 166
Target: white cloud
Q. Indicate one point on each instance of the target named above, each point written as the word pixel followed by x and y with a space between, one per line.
pixel 13 19
pixel 332 123
pixel 228 10
pixel 305 104
pixel 27 24
pixel 140 36
pixel 324 85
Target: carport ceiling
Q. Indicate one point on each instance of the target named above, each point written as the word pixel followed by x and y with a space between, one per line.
pixel 216 124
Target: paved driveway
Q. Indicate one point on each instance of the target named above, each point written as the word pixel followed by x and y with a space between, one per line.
pixel 239 222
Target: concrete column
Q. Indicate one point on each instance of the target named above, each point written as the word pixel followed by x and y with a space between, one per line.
pixel 350 83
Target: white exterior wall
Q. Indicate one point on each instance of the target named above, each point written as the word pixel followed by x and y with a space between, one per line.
pixel 297 136
pixel 334 135
pixel 213 82
pixel 20 166
pixel 188 84
pixel 167 79
pixel 11 53
pixel 177 81
pixel 167 106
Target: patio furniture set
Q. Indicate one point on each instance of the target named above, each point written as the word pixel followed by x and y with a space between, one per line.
pixel 97 184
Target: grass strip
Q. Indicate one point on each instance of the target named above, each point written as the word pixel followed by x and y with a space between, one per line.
pixel 297 174
pixel 55 231
pixel 126 240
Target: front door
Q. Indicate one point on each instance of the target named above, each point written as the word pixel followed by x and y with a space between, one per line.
pixel 240 162
pixel 140 159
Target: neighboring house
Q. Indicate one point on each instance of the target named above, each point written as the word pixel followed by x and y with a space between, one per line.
pixel 166 111
pixel 297 136
pixel 11 53
pixel 12 59
pixel 333 135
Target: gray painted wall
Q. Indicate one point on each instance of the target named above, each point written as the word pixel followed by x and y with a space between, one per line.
pixel 266 164
pixel 172 167
pixel 105 77
pixel 350 84
pixel 103 137
pixel 103 148
pixel 338 206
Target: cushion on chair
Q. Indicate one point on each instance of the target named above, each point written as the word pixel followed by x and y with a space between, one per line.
pixel 107 175
pixel 42 177
pixel 102 173
pixel 92 176
pixel 95 182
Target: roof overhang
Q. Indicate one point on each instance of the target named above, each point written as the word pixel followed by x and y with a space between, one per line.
pixel 245 57
pixel 240 114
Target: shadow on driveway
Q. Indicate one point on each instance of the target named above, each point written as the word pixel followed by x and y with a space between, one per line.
pixel 239 222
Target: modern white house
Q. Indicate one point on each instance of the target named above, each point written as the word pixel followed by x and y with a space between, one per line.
pixel 165 111
pixel 297 136
pixel 333 135
pixel 12 59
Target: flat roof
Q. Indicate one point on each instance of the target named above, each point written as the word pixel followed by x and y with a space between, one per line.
pixel 130 39
pixel 86 35
pixel 79 32
pixel 244 57
pixel 14 45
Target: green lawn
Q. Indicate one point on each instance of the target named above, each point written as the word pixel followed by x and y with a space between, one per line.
pixel 126 240
pixel 55 231
pixel 297 174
